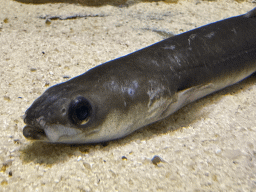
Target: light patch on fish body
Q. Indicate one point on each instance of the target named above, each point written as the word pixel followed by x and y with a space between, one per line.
pixel 116 98
pixel 55 132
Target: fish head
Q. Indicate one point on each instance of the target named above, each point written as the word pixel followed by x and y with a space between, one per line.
pixel 72 113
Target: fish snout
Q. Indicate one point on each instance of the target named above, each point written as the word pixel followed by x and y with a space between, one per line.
pixel 34 127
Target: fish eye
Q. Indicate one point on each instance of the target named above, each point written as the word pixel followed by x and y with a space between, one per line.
pixel 80 110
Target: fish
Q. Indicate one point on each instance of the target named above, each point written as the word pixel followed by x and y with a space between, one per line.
pixel 116 98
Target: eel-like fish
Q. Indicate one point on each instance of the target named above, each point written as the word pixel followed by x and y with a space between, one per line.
pixel 118 97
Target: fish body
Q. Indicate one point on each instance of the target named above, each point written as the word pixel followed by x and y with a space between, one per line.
pixel 118 97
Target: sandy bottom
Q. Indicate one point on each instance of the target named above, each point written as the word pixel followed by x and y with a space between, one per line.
pixel 212 148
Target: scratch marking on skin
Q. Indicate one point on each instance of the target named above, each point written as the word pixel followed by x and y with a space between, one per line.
pixel 155 62
pixel 155 91
pixel 234 30
pixel 191 37
pixel 172 69
pixel 210 35
pixel 128 87
pixel 114 86
pixel 172 47
pixel 177 59
pixel 172 60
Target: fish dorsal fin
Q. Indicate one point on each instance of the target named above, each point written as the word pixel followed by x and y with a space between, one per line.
pixel 251 13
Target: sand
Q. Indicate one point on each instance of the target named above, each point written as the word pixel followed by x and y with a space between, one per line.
pixel 209 145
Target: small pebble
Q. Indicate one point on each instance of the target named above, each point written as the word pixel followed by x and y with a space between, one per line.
pixel 4 182
pixel 7 98
pixel 17 141
pixel 156 159
pixel 56 180
pixel 6 164
pixel 218 151
pixel 87 166
pixel 48 21
pixel 6 20
pixel 46 84
pixel 66 77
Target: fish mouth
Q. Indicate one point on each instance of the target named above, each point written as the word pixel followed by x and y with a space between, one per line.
pixel 33 133
pixel 55 133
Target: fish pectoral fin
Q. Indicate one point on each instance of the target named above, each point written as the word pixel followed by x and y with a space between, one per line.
pixel 186 96
pixel 191 94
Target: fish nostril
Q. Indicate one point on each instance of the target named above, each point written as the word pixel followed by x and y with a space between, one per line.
pixel 24 118
pixel 41 121
pixel 63 110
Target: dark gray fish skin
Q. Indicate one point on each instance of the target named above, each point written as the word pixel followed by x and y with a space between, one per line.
pixel 148 85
